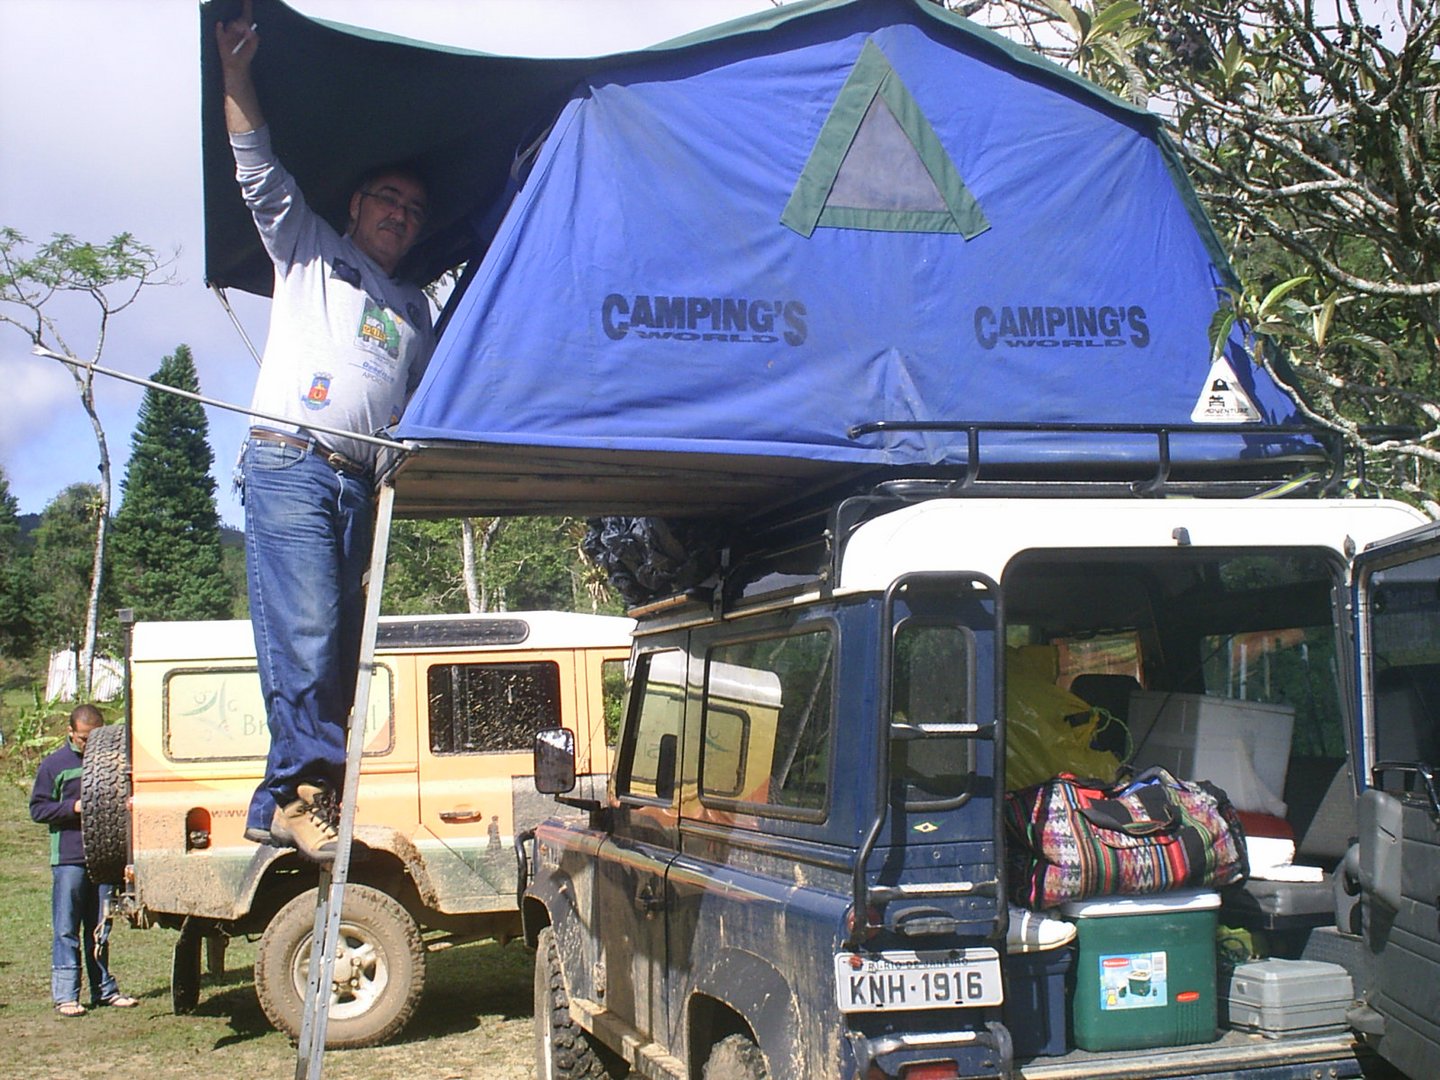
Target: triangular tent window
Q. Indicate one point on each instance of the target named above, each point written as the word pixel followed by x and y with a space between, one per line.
pixel 877 164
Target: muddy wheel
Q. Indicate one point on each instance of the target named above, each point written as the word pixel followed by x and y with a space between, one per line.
pixel 105 796
pixel 379 968
pixel 735 1057
pixel 185 972
pixel 563 1049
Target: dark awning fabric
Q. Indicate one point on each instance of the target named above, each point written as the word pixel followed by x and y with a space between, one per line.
pixel 732 250
pixel 341 100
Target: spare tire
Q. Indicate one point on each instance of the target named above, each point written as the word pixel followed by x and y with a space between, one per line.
pixel 104 802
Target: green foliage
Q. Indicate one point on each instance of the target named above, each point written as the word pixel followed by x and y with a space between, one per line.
pixel 1310 133
pixel 166 546
pixel 521 563
pixel 111 277
pixel 17 621
pixel 62 563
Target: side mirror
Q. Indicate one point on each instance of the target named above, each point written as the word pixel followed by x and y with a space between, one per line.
pixel 554 761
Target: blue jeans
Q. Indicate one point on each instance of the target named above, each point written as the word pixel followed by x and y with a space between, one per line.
pixel 77 913
pixel 308 533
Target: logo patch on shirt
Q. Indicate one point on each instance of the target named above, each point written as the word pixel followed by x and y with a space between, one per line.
pixel 378 331
pixel 318 396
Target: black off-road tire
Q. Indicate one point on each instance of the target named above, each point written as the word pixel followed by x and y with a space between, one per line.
pixel 735 1057
pixel 563 1049
pixel 385 983
pixel 105 809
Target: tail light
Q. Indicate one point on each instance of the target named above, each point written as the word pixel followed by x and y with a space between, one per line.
pixel 920 1070
pixel 930 1070
pixel 873 922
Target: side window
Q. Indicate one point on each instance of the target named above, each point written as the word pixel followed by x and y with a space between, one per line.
pixel 218 714
pixel 931 688
pixel 1405 662
pixel 1296 667
pixel 490 708
pixel 766 722
pixel 660 682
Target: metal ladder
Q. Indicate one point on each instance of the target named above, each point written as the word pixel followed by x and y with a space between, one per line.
pixel 310 1051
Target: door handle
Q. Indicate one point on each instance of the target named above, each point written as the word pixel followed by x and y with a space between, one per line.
pixel 649 901
pixel 461 817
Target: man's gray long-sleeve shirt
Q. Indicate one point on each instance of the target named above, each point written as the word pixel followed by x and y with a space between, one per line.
pixel 347 343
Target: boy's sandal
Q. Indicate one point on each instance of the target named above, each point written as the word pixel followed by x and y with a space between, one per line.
pixel 120 1001
pixel 70 1008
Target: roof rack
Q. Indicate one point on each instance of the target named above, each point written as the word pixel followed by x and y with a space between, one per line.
pixel 1311 459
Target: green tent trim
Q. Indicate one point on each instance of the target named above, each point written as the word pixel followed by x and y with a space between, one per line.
pixel 874 84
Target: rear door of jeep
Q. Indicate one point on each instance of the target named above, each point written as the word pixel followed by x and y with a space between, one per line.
pixel 1398 615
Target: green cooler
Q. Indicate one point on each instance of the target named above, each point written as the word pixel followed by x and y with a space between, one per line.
pixel 1145 970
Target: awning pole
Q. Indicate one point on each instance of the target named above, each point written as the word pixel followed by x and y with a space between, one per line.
pixel 310 1052
pixel 225 303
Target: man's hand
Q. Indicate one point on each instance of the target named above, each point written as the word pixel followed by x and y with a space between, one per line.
pixel 237 40
pixel 77 806
pixel 237 43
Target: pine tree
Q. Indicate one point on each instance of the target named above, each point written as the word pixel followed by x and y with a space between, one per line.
pixel 167 533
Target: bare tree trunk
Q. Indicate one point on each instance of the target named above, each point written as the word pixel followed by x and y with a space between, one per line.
pixel 85 667
pixel 473 602
pixel 492 530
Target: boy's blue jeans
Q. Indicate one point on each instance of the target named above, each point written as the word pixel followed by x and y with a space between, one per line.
pixel 77 913
pixel 308 533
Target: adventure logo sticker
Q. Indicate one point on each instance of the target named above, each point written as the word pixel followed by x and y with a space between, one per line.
pixel 724 319
pixel 318 396
pixel 1054 326
pixel 1224 401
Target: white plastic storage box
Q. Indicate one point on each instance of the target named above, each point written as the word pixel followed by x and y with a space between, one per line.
pixel 1288 997
pixel 1242 746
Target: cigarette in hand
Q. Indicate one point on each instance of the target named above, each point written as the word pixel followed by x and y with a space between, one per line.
pixel 241 44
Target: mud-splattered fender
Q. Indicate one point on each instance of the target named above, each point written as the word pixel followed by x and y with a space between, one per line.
pixel 754 988
pixel 380 839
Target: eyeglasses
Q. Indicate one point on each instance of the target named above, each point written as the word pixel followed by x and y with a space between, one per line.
pixel 415 211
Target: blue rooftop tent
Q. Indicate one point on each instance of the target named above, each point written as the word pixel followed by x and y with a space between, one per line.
pixel 729 257
pixel 805 251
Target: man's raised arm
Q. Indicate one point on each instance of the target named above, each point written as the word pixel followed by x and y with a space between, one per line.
pixel 238 42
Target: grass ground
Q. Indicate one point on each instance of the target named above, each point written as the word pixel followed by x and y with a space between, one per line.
pixel 474 1023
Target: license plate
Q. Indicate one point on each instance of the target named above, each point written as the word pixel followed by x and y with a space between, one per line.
pixel 892 981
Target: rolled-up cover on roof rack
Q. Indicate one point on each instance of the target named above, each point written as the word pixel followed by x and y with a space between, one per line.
pixel 742 249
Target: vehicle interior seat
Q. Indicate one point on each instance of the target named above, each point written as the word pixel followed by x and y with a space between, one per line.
pixel 1111 693
pixel 1324 829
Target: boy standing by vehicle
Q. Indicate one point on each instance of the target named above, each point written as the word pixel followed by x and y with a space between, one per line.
pixel 79 908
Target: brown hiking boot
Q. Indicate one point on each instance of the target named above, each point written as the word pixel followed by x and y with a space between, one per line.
pixel 306 824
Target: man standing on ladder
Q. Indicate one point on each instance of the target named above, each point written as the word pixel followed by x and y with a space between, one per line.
pixel 348 342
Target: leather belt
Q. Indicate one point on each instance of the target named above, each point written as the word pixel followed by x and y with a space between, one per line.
pixel 336 460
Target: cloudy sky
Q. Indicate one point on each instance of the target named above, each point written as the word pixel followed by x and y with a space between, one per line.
pixel 100 134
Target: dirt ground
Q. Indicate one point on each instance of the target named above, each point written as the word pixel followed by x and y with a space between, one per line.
pixel 474 1022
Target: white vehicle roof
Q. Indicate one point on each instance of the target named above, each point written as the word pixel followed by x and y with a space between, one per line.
pixel 232 639
pixel 984 535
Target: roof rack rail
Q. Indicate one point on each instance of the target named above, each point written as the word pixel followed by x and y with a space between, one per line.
pixel 1307 448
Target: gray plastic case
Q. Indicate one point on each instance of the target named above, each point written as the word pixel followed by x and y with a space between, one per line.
pixel 1286 997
